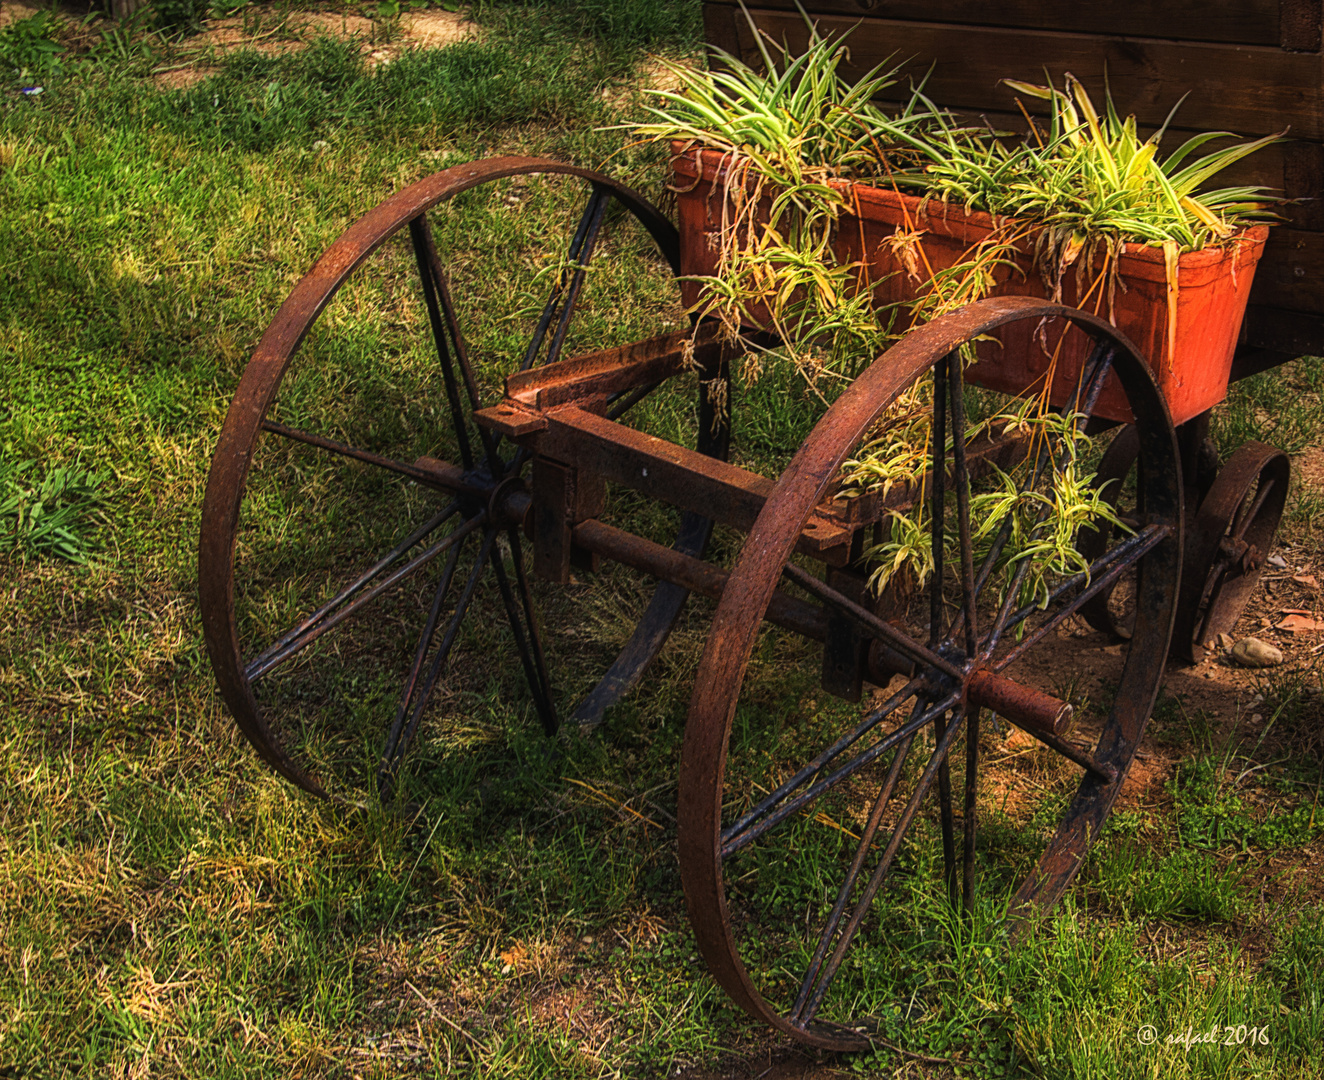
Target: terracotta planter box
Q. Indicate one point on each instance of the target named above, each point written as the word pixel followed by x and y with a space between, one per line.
pixel 1213 286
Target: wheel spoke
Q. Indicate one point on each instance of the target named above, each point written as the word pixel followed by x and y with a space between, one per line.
pixel 623 402
pixel 771 811
pixel 1244 518
pixel 869 622
pixel 393 754
pixel 421 533
pixel 938 497
pixel 591 211
pixel 847 935
pixel 962 478
pixel 437 276
pixel 1093 375
pixel 420 657
pixel 822 760
pixel 946 825
pixel 274 656
pixel 581 253
pixel 951 369
pixel 853 874
pixel 650 633
pixel 1117 561
pixel 969 810
pixel 1221 568
pixel 431 275
pixel 525 630
pixel 323 443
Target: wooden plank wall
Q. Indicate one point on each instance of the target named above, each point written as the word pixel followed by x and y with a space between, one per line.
pixel 1254 67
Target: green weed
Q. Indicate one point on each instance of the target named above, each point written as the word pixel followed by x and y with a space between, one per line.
pixel 30 47
pixel 1283 408
pixel 1182 884
pixel 51 511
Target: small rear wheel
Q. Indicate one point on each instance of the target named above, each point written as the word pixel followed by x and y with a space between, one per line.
pixel 1226 545
pixel 1228 537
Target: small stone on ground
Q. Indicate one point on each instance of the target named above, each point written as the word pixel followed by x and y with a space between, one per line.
pixel 1252 652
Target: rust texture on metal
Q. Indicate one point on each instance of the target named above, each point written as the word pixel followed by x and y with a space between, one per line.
pixel 1226 545
pixel 1024 706
pixel 668 564
pixel 941 668
pixel 1232 517
pixel 609 372
pixel 673 474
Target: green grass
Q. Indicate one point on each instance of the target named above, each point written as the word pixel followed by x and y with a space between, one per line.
pixel 170 907
pixel 1280 407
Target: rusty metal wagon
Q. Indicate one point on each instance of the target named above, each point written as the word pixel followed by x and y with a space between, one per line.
pixel 532 465
pixel 496 463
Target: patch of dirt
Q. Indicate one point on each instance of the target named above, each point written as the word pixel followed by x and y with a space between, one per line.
pixel 1216 695
pixel 184 77
pixel 1084 660
pixel 379 42
pixel 337 24
pixel 657 74
pixel 652 74
pixel 799 1065
pixel 1141 779
pixel 436 29
pixel 13 10
pixel 1292 879
pixel 1218 684
pixel 221 36
pixel 1308 468
pixel 571 1010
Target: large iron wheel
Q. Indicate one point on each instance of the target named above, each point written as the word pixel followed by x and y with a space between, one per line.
pixel 355 513
pixel 784 856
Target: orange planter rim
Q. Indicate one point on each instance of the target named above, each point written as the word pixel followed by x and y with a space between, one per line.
pixel 1141 260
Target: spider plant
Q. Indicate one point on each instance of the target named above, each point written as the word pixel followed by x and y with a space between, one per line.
pixel 784 134
pixel 1095 176
pixel 1044 517
pixel 1086 186
pixel 1090 184
pixel 797 121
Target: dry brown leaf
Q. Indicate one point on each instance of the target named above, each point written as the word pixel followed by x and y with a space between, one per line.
pixel 1308 580
pixel 1296 623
